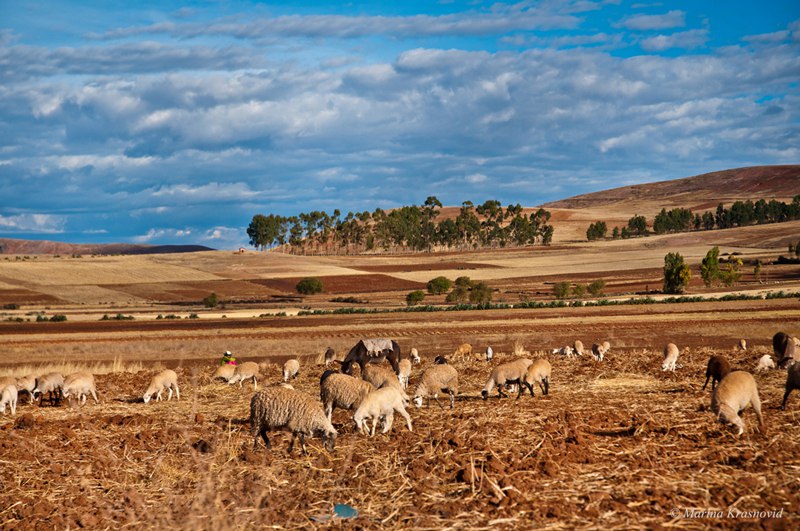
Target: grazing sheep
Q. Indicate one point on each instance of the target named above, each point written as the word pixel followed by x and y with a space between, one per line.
pixel 246 371
pixel 80 384
pixel 166 379
pixel 278 407
pixel 734 393
pixel 436 379
pixel 765 363
pixel 718 368
pixel 565 351
pixel 577 347
pixel 538 372
pixel 785 349
pixel 27 384
pixel 598 351
pixel 224 372
pixel 440 360
pixel 7 380
pixel 342 391
pixel 381 376
pixel 330 356
pixel 414 355
pixel 671 354
pixel 291 369
pixel 381 403
pixel 742 344
pixel 405 373
pixel 489 353
pixel 52 384
pixel 372 351
pixel 512 372
pixel 792 382
pixel 8 396
pixel 463 351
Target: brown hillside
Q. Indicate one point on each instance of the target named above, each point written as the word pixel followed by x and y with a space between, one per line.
pixel 14 246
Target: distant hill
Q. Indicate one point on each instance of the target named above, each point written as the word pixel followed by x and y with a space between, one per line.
pixel 14 246
pixel 701 191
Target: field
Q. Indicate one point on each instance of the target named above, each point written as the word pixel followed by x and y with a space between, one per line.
pixel 617 444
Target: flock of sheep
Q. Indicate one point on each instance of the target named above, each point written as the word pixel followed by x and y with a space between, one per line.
pixel 380 392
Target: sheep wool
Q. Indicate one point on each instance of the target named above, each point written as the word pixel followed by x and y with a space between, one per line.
pixel 437 379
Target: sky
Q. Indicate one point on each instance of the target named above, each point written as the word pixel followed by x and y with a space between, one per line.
pixel 162 122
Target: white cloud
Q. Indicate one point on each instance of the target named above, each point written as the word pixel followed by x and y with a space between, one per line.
pixel 476 178
pixel 672 19
pixel 33 223
pixel 685 40
pixel 155 235
pixel 205 192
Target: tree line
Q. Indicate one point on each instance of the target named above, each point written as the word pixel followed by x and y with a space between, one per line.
pixel 739 214
pixel 415 228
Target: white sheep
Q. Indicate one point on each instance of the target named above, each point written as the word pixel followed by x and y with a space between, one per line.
pixel 577 347
pixel 27 384
pixel 405 372
pixel 414 355
pixel 291 369
pixel 280 407
pixel 224 372
pixel 166 379
pixel 792 382
pixel 489 354
pixel 538 373
pixel 52 384
pixel 80 384
pixel 566 351
pixel 248 370
pixel 671 354
pixel 384 403
pixel 765 363
pixel 512 372
pixel 598 351
pixel 742 344
pixel 341 390
pixel 8 396
pixel 734 393
pixel 437 379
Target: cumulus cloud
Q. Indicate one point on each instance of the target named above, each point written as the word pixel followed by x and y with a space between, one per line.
pixel 670 20
pixel 33 223
pixel 686 40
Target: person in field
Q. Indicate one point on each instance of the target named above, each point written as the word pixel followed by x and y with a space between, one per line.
pixel 227 359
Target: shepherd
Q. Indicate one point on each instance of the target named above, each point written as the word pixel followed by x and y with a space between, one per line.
pixel 227 359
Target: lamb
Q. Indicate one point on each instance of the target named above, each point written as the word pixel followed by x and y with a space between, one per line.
pixel 436 379
pixel 718 367
pixel 566 351
pixel 792 382
pixel 8 396
pixel 342 391
pixel 512 372
pixel 27 384
pixel 246 371
pixel 783 345
pixel 279 407
pixel 598 351
pixel 742 344
pixel 80 384
pixel 414 355
pixel 671 354
pixel 405 372
pixel 381 403
pixel 291 369
pixel 734 393
pixel 538 372
pixel 50 383
pixel 166 379
pixel 577 347
pixel 381 376
pixel 464 350
pixel 489 354
pixel 765 363
pixel 330 356
pixel 224 372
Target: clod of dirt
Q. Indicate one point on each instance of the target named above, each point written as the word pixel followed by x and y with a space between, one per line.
pixel 25 422
pixel 202 446
pixel 199 418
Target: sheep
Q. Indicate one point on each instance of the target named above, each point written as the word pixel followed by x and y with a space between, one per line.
pixel 50 383
pixel 405 372
pixel 414 355
pixel 342 391
pixel 512 372
pixel 538 372
pixel 792 382
pixel 7 380
pixel 8 396
pixel 166 379
pixel 785 349
pixel 436 379
pixel 718 367
pixel 671 354
pixel 440 360
pixel 279 407
pixel 381 376
pixel 291 369
pixel 27 384
pixel 330 356
pixel 577 347
pixel 734 393
pixel 372 351
pixel 742 344
pixel 80 384
pixel 464 350
pixel 224 372
pixel 565 351
pixel 381 403
pixel 765 363
pixel 489 354
pixel 598 351
pixel 246 371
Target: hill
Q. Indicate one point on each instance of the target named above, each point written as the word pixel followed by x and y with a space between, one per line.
pixel 14 246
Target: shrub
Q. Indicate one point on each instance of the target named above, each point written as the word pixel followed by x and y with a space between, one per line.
pixel 211 301
pixel 463 282
pixel 676 273
pixel 11 306
pixel 480 294
pixel 459 295
pixel 309 286
pixel 596 287
pixel 57 318
pixel 709 268
pixel 578 290
pixel 732 273
pixel 561 289
pixel 439 285
pixel 415 297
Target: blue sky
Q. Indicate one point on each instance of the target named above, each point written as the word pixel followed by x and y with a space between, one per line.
pixel 175 122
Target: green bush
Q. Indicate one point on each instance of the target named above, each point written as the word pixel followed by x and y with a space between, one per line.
pixel 439 285
pixel 459 295
pixel 561 290
pixel 310 286
pixel 415 297
pixel 480 294
pixel 596 287
pixel 676 273
pixel 211 301
pixel 578 290
pixel 59 317
pixel 463 282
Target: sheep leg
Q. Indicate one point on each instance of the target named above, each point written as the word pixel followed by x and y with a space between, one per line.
pixel 786 397
pixel 756 402
pixel 94 395
pixel 291 443
pixel 255 383
pixel 708 377
pixel 500 393
pixel 177 392
pixel 329 411
pixel 452 400
pixel 374 425
pixel 387 423
pixel 544 385
pixel 406 416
